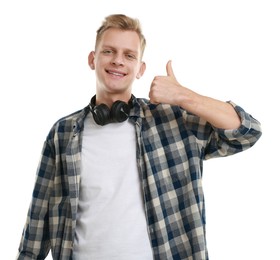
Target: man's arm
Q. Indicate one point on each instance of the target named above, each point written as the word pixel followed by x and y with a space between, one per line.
pixel 35 240
pixel 166 89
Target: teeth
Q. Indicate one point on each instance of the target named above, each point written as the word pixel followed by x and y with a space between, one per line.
pixel 116 73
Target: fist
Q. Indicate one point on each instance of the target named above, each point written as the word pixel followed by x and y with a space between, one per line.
pixel 165 89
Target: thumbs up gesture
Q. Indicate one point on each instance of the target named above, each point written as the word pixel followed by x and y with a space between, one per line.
pixel 165 89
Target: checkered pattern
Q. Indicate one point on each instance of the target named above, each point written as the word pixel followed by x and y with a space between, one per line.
pixel 171 147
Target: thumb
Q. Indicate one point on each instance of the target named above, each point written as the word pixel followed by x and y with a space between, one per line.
pixel 169 69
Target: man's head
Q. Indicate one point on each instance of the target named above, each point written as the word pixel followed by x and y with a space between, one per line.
pixel 121 22
pixel 117 58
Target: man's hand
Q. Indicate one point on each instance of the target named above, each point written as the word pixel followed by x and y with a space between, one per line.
pixel 165 89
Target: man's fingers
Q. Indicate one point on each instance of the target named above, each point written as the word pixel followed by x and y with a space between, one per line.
pixel 169 69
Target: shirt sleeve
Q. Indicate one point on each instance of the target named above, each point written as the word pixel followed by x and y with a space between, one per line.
pixel 35 240
pixel 227 142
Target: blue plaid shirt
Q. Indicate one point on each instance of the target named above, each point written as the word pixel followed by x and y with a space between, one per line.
pixel 171 147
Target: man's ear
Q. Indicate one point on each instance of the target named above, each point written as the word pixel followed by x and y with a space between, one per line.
pixel 141 70
pixel 91 60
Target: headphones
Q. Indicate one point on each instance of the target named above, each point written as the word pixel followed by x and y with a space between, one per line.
pixel 103 115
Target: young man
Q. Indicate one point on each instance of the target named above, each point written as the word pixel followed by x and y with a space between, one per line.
pixel 122 178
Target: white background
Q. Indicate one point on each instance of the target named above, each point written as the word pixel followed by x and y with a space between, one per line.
pixel 224 49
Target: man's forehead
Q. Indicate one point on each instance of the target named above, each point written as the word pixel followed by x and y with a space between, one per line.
pixel 122 38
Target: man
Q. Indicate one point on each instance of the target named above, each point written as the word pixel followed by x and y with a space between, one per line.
pixel 122 178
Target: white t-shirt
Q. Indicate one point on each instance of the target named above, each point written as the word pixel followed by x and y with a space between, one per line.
pixel 111 222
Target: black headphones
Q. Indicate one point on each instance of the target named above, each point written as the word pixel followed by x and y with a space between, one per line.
pixel 103 115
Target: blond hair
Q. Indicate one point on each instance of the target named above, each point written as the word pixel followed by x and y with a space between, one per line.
pixel 122 22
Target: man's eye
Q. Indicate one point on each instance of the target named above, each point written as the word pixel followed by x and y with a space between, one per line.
pixel 130 56
pixel 107 51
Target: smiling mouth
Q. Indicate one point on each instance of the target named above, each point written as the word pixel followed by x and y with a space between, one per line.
pixel 116 73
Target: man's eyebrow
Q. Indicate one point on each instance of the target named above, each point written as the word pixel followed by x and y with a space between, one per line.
pixel 114 48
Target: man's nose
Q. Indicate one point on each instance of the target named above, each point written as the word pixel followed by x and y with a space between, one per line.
pixel 118 59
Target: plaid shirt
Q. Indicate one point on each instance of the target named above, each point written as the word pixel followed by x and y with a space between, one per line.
pixel 171 147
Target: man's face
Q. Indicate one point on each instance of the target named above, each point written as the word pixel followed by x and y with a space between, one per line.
pixel 117 61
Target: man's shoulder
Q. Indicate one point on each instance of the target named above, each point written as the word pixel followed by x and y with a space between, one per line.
pixel 71 116
pixel 73 122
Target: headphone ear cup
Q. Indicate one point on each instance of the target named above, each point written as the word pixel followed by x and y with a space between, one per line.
pixel 119 111
pixel 101 114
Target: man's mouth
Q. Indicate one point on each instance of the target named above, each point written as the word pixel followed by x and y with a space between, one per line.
pixel 116 73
